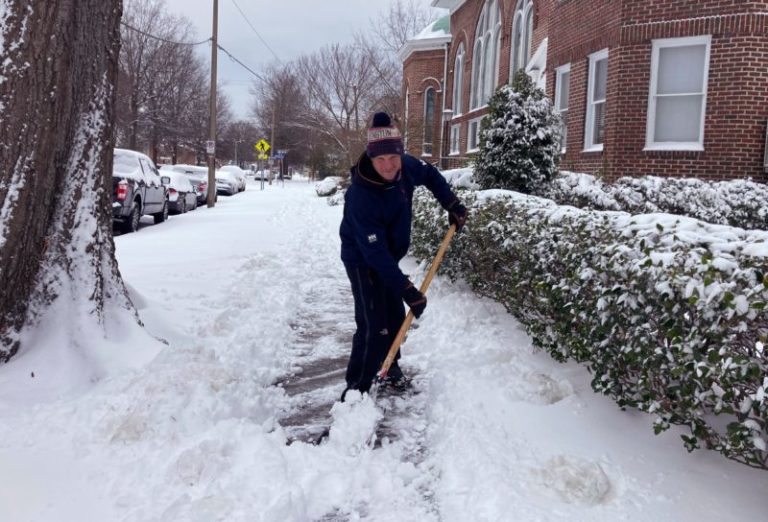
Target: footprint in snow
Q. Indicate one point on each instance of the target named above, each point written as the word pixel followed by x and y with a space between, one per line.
pixel 573 481
pixel 544 389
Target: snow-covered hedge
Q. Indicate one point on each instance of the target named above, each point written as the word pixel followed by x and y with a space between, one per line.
pixel 328 186
pixel 667 312
pixel 739 203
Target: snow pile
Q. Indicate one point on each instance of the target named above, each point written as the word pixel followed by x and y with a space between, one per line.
pixel 328 186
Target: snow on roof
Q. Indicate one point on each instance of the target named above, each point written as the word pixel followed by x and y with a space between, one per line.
pixel 440 27
pixel 434 36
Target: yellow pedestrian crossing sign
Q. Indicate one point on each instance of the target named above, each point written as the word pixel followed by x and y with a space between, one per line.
pixel 262 146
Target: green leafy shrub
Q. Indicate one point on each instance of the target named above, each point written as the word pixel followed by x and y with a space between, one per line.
pixel 519 139
pixel 667 313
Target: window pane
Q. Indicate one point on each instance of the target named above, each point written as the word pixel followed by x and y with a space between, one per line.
pixel 516 42
pixel 678 118
pixel 681 69
pixel 598 126
pixel 528 35
pixel 429 116
pixel 458 75
pixel 601 78
pixel 476 70
pixel 488 66
pixel 563 89
pixel 564 129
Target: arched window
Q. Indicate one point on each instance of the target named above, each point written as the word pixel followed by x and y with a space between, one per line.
pixel 522 35
pixel 458 80
pixel 429 120
pixel 485 54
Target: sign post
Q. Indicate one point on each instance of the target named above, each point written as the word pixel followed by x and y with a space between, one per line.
pixel 262 146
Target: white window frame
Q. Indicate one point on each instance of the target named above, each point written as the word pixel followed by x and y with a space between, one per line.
pixel 458 81
pixel 455 140
pixel 559 72
pixel 657 45
pixel 476 135
pixel 589 124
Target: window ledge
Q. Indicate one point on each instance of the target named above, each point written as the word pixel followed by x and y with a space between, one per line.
pixel 594 148
pixel 454 153
pixel 683 147
pixel 473 150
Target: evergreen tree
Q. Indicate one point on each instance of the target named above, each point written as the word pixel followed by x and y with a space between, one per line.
pixel 519 138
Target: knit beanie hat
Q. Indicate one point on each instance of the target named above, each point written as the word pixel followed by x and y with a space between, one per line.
pixel 383 137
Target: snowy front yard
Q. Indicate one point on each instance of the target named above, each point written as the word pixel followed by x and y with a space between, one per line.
pixel 496 431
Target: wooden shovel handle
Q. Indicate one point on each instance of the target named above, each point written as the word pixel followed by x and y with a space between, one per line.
pixel 409 317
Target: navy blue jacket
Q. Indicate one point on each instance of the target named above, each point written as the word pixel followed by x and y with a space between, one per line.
pixel 376 228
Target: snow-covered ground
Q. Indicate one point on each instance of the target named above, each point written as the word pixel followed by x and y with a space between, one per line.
pixel 501 432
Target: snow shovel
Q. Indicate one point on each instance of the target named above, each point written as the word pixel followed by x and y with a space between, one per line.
pixel 409 317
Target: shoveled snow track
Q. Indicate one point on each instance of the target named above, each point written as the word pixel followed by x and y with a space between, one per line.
pixel 318 382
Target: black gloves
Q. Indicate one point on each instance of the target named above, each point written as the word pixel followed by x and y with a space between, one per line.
pixel 415 300
pixel 457 215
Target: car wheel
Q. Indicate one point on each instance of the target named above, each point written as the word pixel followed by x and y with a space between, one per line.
pixel 163 215
pixel 132 223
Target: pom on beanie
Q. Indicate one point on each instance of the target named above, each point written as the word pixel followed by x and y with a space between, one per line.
pixel 383 137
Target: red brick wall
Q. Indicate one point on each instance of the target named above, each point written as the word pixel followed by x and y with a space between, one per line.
pixel 737 99
pixel 737 103
pixel 576 30
pixel 422 70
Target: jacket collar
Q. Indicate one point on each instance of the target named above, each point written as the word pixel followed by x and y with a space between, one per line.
pixel 364 174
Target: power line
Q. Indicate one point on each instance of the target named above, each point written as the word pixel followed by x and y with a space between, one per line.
pixel 255 31
pixel 241 64
pixel 163 39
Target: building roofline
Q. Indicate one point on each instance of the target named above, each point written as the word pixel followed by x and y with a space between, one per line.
pixel 448 4
pixel 424 44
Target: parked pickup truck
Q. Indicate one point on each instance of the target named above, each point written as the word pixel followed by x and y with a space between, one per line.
pixel 136 190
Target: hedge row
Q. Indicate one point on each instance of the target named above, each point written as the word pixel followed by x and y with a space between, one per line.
pixel 667 312
pixel 738 203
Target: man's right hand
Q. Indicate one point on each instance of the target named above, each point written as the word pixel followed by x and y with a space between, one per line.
pixel 415 300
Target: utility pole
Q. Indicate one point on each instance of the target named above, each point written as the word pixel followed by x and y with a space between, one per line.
pixel 211 145
pixel 272 143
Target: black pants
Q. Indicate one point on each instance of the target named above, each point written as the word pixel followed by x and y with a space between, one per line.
pixel 379 313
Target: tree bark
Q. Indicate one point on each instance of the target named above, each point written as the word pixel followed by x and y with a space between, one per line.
pixel 57 88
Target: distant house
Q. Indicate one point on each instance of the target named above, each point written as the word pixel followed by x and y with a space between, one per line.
pixel 663 87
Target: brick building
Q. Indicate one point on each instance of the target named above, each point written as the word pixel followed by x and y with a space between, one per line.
pixel 662 87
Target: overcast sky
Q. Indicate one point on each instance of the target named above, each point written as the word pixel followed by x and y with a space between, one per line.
pixel 289 27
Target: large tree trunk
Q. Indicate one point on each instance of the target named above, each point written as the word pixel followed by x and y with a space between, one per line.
pixel 57 85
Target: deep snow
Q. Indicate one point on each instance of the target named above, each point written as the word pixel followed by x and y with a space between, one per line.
pixel 497 432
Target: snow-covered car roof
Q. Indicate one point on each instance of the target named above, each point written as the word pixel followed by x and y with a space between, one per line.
pixel 224 174
pixel 126 164
pixel 179 181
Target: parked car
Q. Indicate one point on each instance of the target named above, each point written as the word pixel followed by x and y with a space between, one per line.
pixel 181 193
pixel 239 174
pixel 197 175
pixel 227 183
pixel 136 190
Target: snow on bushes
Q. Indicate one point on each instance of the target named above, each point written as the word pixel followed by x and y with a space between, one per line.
pixel 328 186
pixel 519 139
pixel 667 312
pixel 739 203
